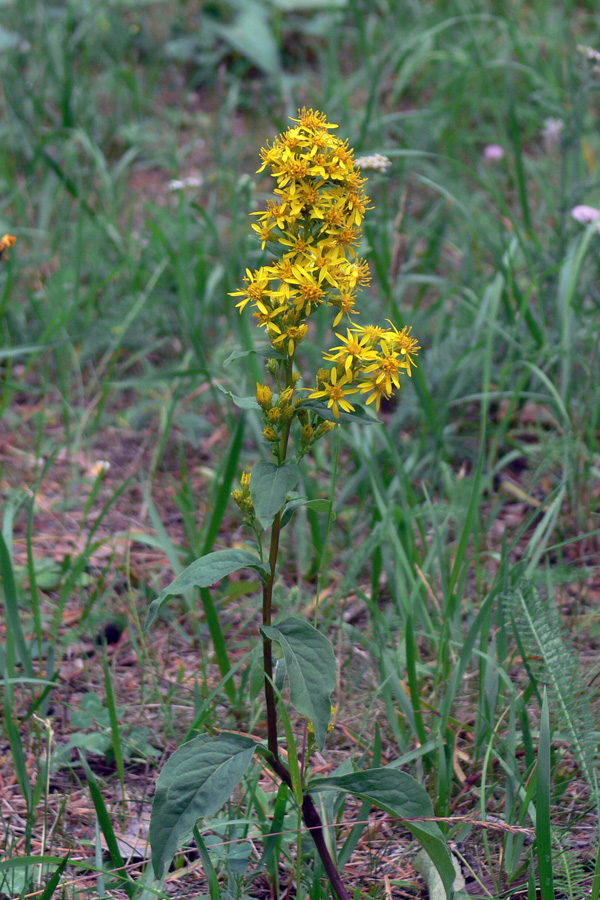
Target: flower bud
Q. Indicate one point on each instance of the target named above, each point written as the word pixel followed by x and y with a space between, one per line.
pixel 245 480
pixel 285 397
pixel 264 396
pixel 270 434
pixel 274 415
pixel 307 434
pixel 324 428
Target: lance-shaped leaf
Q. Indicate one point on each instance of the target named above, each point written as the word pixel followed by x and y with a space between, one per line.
pixel 195 782
pixel 360 416
pixel 269 487
pixel 294 503
pixel 206 571
pixel 240 402
pixel 400 795
pixel 311 668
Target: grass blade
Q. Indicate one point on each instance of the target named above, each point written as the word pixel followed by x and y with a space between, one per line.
pixel 106 827
pixel 114 720
pixel 209 870
pixel 543 831
pixel 15 636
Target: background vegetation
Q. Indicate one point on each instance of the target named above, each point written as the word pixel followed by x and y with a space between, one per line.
pixel 461 580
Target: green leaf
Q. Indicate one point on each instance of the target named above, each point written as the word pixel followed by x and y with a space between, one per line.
pixel 195 782
pixel 52 883
pixel 403 797
pixel 14 631
pixel 269 486
pixel 104 820
pixel 360 416
pixel 543 821
pixel 424 866
pixel 206 571
pixel 240 402
pixel 251 35
pixel 296 502
pixel 237 354
pixel 209 870
pixel 311 668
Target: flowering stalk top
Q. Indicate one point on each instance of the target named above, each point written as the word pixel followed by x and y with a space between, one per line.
pixel 314 226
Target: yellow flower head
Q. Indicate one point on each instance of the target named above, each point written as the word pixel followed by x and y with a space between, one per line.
pixel 8 240
pixel 353 349
pixel 335 392
pixel 377 391
pixel 404 344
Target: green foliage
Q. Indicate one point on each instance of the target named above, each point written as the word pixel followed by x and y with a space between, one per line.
pixel 404 798
pixel 94 735
pixel 252 32
pixel 195 782
pixel 204 572
pixel 311 668
pixel 552 663
pixel 269 487
pixel 295 502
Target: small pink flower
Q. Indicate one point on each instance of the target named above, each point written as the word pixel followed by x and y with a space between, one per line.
pixel 586 215
pixel 493 153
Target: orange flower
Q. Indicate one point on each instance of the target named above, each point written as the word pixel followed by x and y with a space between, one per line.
pixel 8 240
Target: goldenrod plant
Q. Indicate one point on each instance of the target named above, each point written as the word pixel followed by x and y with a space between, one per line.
pixel 314 227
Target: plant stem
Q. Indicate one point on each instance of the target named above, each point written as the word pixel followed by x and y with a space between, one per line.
pixel 312 820
pixel 310 815
pixel 267 644
pixel 267 607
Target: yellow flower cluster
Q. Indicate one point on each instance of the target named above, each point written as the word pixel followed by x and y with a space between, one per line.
pixel 243 499
pixel 315 219
pixel 370 360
